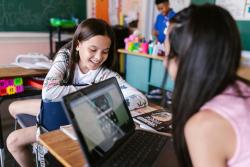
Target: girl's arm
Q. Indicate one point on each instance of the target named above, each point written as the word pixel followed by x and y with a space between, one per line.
pixel 52 90
pixel 210 139
pixel 134 98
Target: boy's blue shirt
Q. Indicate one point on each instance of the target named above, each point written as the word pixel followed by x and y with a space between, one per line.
pixel 160 24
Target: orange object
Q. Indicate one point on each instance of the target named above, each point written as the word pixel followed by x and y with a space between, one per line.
pixel 102 7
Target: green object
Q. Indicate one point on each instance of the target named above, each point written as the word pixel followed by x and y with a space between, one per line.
pixel 55 22
pixel 18 81
pixel 65 23
pixel 137 71
pixel 244 26
pixel 30 15
pixel 156 75
pixel 143 72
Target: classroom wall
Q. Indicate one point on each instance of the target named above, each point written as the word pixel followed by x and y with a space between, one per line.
pixel 244 26
pixel 13 44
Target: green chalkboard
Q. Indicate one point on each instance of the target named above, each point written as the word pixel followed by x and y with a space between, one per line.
pixel 199 2
pixel 244 26
pixel 33 15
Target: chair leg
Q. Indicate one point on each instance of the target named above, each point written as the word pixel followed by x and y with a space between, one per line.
pixel 15 124
pixel 2 157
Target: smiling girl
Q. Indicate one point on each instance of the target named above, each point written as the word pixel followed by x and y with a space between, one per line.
pixel 82 62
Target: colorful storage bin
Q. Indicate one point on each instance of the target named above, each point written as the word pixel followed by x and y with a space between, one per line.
pixel 10 86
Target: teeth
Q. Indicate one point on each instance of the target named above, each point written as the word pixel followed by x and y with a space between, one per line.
pixel 96 62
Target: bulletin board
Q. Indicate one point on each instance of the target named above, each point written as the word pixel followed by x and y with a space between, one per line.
pixel 178 5
pixel 239 9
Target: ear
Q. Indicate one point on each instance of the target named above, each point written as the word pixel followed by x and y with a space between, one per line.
pixel 77 45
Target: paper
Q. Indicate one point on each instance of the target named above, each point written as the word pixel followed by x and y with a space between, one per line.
pixel 239 9
pixel 178 5
pixel 69 131
pixel 245 61
pixel 33 61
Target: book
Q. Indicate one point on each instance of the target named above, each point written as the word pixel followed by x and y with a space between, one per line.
pixel 142 111
pixel 157 120
pixel 69 131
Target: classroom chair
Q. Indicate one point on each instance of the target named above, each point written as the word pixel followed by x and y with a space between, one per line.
pixel 24 121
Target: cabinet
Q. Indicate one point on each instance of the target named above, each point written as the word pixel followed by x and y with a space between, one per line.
pixel 143 71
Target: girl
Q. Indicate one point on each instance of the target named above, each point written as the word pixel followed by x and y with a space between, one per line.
pixel 86 60
pixel 211 104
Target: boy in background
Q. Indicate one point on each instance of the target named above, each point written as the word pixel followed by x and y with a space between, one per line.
pixel 166 13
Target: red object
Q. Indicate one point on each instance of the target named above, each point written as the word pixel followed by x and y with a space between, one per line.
pixel 34 83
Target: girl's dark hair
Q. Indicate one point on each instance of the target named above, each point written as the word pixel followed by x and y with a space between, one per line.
pixel 86 30
pixel 206 43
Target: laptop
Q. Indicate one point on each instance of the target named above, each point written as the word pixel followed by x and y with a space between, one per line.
pixel 106 131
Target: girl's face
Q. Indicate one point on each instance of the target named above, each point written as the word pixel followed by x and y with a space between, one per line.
pixel 93 52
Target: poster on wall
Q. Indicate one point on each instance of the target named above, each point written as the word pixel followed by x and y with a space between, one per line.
pixel 178 5
pixel 239 9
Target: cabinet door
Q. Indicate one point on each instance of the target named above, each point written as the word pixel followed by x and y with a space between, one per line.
pixel 157 74
pixel 137 71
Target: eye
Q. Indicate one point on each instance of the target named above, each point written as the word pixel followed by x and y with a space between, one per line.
pixel 106 51
pixel 92 50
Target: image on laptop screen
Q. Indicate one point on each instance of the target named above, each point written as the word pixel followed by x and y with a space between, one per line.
pixel 102 118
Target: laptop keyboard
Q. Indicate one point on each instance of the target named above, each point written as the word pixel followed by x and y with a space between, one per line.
pixel 141 150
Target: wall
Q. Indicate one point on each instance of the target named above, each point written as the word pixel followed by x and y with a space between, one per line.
pixel 12 44
pixel 244 26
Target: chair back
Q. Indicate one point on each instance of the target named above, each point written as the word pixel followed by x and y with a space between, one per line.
pixel 52 115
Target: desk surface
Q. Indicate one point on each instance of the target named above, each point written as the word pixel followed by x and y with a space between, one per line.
pixel 64 149
pixel 141 54
pixel 14 71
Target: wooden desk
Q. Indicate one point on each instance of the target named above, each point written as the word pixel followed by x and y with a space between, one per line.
pixel 14 71
pixel 11 71
pixel 68 151
pixel 244 72
pixel 63 148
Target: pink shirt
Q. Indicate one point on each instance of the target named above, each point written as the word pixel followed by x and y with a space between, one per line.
pixel 236 110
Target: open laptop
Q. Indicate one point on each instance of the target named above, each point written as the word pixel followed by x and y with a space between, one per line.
pixel 106 130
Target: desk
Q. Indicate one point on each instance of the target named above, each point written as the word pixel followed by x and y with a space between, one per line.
pixel 68 151
pixel 10 71
pixel 64 149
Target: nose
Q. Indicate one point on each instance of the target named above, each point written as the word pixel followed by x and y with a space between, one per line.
pixel 98 56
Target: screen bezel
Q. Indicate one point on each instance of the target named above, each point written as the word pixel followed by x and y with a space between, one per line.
pixel 92 158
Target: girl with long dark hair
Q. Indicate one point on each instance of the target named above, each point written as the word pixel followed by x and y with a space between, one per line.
pixel 211 104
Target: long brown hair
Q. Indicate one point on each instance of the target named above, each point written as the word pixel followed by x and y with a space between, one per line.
pixel 86 30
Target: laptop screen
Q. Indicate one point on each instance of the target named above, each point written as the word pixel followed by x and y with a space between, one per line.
pixel 101 118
